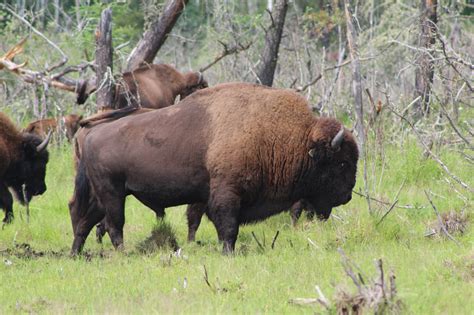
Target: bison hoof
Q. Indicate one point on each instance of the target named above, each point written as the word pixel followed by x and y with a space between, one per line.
pixel 8 218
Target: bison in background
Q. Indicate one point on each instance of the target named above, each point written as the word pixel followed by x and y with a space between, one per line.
pixel 152 86
pixel 43 126
pixel 247 151
pixel 23 159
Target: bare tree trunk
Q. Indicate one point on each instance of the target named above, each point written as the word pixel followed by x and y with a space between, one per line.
pixel 56 15
pixel 425 68
pixel 78 14
pixel 155 36
pixel 273 34
pixel 357 90
pixel 103 60
pixel 356 77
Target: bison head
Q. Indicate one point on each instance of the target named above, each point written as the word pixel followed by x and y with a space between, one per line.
pixel 194 81
pixel 30 171
pixel 72 125
pixel 333 153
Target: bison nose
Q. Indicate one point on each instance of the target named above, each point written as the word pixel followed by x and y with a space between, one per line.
pixel 40 190
pixel 349 197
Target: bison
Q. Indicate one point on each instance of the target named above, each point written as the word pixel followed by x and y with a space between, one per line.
pixel 152 86
pixel 23 159
pixel 43 126
pixel 247 151
pixel 194 212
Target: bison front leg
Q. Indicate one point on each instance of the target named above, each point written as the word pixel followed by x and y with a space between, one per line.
pixel 6 202
pixel 100 230
pixel 223 211
pixel 194 215
pixel 295 212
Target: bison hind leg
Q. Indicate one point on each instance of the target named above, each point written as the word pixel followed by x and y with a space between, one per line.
pixel 83 227
pixel 194 213
pixel 224 208
pixel 115 218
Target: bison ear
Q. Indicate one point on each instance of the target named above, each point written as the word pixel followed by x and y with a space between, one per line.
pixel 316 153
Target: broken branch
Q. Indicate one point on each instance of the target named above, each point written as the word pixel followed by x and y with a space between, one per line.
pixel 226 51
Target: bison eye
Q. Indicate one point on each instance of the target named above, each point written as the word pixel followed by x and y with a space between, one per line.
pixel 343 165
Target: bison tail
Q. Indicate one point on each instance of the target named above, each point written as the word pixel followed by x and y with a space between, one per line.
pixel 82 190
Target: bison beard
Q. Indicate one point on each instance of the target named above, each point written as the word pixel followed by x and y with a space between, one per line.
pixel 247 151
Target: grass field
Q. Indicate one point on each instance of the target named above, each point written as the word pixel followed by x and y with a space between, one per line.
pixel 433 275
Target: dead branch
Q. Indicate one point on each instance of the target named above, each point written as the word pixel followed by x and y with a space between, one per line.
pixel 443 48
pixel 349 271
pixel 304 301
pixel 322 299
pixel 64 57
pixel 394 202
pixel 453 125
pixel 385 202
pixel 258 242
pixel 57 80
pixel 388 211
pixel 275 238
pixel 434 156
pixel 440 221
pixel 206 279
pixel 311 83
pixel 225 52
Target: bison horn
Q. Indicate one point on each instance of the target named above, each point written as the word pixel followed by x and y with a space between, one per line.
pixel 311 153
pixel 45 142
pixel 200 77
pixel 337 141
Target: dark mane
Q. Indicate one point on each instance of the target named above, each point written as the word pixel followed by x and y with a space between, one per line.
pixel 8 130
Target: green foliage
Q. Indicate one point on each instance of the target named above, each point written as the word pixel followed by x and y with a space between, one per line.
pixel 127 23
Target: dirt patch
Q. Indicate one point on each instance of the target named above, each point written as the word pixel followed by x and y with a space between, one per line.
pixel 27 252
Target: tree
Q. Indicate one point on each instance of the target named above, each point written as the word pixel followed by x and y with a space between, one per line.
pixel 266 71
pixel 103 60
pixel 425 67
pixel 155 36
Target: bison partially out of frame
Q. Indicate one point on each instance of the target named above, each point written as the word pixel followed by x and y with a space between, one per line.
pixel 23 159
pixel 245 150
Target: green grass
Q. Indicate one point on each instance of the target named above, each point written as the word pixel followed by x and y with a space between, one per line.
pixel 434 275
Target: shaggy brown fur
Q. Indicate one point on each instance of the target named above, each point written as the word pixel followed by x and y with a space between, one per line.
pixel 21 164
pixel 43 126
pixel 240 148
pixel 153 86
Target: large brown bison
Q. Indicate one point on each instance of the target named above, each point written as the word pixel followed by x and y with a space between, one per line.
pixel 152 86
pixel 43 126
pixel 246 150
pixel 23 159
pixel 194 212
